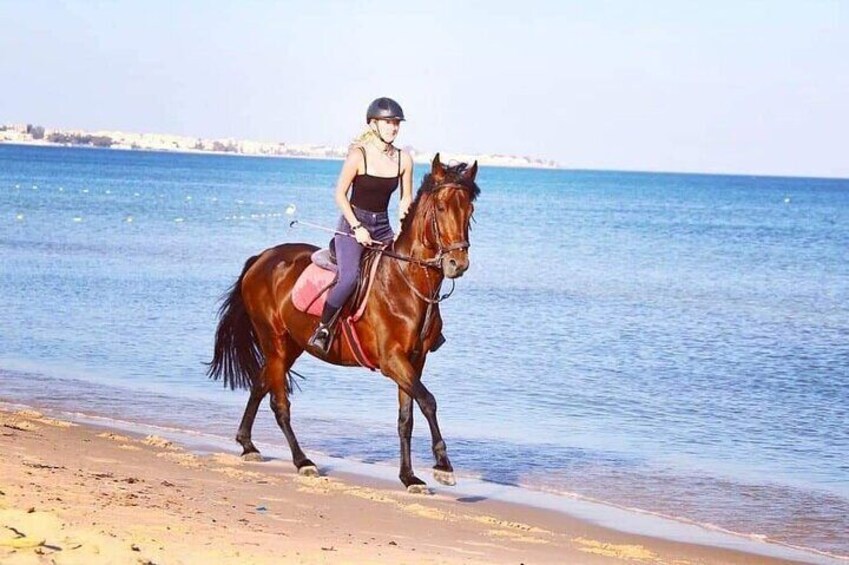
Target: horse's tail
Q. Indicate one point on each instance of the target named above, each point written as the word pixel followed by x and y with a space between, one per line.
pixel 237 357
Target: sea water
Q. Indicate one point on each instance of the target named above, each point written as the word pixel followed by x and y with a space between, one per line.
pixel 673 343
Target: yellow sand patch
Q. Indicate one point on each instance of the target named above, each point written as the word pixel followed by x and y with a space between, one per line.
pixel 184 459
pixel 481 544
pixel 18 424
pixel 56 423
pixel 129 447
pixel 370 494
pixel 114 437
pixel 325 486
pixel 492 521
pixel 238 474
pixel 514 536
pixel 317 488
pixel 319 485
pixel 313 489
pixel 620 551
pixel 427 512
pixel 24 542
pixel 33 414
pixel 156 441
pixel 226 459
pixel 20 529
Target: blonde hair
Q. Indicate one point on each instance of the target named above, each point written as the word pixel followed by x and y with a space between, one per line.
pixel 367 137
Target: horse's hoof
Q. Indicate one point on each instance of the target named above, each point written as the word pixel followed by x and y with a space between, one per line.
pixel 418 489
pixel 308 471
pixel 254 456
pixel 444 477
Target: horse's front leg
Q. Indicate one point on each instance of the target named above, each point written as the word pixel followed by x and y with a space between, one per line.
pixel 399 368
pixel 405 433
pixel 443 471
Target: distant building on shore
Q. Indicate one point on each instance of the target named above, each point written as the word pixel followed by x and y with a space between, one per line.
pixel 29 133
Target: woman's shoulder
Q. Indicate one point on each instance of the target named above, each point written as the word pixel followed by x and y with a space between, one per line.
pixel 355 152
pixel 406 158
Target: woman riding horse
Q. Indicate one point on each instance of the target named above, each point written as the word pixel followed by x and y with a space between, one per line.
pixel 261 333
pixel 365 215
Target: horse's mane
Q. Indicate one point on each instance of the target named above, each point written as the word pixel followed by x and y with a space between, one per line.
pixel 454 174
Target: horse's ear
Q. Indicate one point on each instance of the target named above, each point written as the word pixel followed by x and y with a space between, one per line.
pixel 470 173
pixel 436 169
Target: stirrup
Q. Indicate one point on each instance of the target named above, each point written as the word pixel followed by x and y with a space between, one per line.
pixel 321 338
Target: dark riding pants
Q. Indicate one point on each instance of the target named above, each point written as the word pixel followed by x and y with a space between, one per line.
pixel 349 252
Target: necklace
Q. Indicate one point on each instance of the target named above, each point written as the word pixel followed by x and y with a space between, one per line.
pixel 388 149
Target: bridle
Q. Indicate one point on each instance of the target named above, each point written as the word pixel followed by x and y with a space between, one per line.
pixel 443 249
pixel 458 245
pixel 434 262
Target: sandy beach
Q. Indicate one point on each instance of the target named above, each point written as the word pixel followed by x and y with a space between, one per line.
pixel 80 494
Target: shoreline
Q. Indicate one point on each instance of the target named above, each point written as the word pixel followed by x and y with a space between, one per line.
pixel 420 158
pixel 371 518
pixel 422 161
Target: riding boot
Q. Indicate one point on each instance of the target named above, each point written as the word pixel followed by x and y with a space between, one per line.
pixel 323 336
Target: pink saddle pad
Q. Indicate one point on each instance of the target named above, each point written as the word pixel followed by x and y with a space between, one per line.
pixel 309 285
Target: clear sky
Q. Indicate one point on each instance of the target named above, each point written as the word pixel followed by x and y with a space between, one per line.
pixel 710 86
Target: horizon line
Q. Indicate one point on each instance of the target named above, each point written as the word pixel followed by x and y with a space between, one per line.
pixel 522 162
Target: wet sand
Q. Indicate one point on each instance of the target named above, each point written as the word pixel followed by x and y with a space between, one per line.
pixel 79 494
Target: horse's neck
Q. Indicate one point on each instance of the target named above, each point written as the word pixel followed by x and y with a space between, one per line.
pixel 411 240
pixel 401 275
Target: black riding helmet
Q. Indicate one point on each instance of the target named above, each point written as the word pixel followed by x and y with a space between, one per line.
pixel 384 108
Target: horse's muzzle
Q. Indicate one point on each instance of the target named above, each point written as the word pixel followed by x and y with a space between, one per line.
pixel 454 267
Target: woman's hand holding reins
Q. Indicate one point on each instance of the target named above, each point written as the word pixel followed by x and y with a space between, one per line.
pixel 362 235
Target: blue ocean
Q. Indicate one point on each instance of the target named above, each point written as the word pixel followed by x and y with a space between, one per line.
pixel 672 343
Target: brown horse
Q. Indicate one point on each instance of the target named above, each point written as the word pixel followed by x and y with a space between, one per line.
pixel 261 333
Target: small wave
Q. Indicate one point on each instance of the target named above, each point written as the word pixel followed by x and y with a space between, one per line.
pixel 756 538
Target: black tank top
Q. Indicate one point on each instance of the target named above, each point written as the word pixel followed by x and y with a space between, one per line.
pixel 372 193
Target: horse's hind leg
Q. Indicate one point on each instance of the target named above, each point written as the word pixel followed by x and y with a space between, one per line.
pixel 278 361
pixel 243 436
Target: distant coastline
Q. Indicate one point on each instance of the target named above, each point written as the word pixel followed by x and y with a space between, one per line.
pixel 29 134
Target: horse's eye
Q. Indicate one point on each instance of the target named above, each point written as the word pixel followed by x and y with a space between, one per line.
pixel 440 207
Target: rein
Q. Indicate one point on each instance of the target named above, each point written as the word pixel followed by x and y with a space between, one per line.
pixel 427 263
